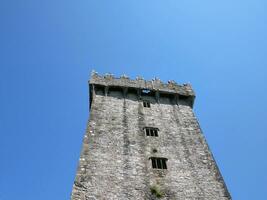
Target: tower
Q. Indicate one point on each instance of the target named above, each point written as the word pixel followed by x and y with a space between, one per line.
pixel 144 142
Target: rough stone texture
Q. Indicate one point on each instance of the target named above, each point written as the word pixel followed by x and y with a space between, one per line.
pixel 155 84
pixel 114 162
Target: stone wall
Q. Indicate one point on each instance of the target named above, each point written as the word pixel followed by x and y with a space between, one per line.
pixel 115 159
pixel 155 84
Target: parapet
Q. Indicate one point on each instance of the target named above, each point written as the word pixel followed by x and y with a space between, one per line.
pixel 139 83
pixel 155 85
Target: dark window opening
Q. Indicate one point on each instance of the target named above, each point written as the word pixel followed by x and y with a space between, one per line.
pixel 154 164
pixel 146 104
pixel 147 132
pixel 114 91
pixel 159 163
pixel 151 132
pixel 99 89
pixel 183 97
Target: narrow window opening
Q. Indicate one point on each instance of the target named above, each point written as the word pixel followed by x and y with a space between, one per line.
pixel 147 132
pixel 146 104
pixel 164 164
pixel 151 132
pixel 159 163
pixel 156 133
pixel 154 165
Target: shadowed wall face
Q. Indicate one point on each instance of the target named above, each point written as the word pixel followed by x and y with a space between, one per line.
pixel 135 151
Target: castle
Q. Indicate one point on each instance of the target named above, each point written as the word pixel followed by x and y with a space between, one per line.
pixel 144 142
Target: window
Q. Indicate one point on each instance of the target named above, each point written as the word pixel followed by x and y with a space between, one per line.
pixel 151 132
pixel 146 104
pixel 159 163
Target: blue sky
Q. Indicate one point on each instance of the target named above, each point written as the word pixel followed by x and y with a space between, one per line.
pixel 48 49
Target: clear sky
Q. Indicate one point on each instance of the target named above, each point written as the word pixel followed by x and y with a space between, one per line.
pixel 48 49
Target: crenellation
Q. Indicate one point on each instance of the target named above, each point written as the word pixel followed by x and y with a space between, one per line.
pixel 155 87
pixel 155 84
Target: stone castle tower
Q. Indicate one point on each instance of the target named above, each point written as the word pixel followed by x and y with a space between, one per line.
pixel 144 142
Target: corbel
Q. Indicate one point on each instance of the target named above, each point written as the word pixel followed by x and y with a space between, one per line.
pixel 157 96
pixel 106 90
pixel 124 91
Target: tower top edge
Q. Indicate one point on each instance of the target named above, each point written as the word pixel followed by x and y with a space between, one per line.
pixel 155 84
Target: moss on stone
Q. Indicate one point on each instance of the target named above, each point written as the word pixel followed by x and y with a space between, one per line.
pixel 155 190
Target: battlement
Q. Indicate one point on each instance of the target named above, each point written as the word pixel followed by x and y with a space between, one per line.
pixel 156 84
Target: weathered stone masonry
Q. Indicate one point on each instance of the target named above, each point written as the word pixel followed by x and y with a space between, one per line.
pixel 115 161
